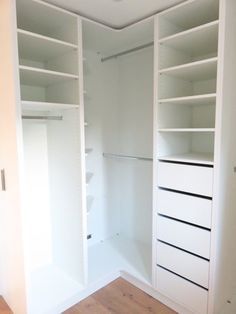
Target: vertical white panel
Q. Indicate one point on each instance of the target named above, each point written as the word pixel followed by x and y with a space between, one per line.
pixel 223 270
pixel 11 250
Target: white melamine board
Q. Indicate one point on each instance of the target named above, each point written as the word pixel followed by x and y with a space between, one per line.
pixel 12 272
pixel 198 158
pixel 223 272
pixel 195 210
pixel 191 100
pixel 195 71
pixel 41 48
pixel 37 209
pixel 47 20
pixel 41 77
pixel 190 238
pixel 46 106
pixel 184 15
pixel 184 264
pixel 186 178
pixel 186 293
pixel 64 158
pixel 187 130
pixel 197 41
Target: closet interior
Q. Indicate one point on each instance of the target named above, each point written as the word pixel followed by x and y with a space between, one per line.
pixel 118 136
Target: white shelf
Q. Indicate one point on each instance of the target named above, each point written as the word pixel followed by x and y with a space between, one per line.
pixel 41 77
pixel 38 105
pixel 196 158
pixel 196 41
pixel 206 99
pixel 194 71
pixel 89 176
pixel 41 48
pixel 205 130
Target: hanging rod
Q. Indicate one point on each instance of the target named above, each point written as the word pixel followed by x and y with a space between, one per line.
pixel 42 117
pixel 125 52
pixel 107 155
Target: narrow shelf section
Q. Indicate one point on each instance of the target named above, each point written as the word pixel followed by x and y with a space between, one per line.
pixel 33 46
pixel 199 40
pixel 207 99
pixel 205 130
pixel 41 77
pixel 193 71
pixel 196 158
pixel 37 105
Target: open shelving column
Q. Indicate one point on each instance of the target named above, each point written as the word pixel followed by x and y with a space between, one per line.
pixel 186 59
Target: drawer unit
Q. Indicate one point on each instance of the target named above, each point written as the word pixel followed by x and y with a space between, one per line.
pixel 184 207
pixel 182 235
pixel 182 291
pixel 186 178
pixel 184 264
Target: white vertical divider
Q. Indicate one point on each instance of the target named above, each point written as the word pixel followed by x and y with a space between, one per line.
pixel 155 149
pixel 223 249
pixel 12 254
pixel 83 205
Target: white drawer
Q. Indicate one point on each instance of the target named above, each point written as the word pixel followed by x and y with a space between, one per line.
pixel 188 208
pixel 182 235
pixel 183 292
pixel 184 264
pixel 187 178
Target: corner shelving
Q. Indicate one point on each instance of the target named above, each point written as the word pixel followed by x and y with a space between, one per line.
pixel 196 158
pixel 42 77
pixel 37 105
pixel 193 71
pixel 204 99
pixel 200 40
pixel 41 48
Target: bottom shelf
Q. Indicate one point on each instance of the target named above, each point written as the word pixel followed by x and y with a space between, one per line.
pixel 196 158
pixel 48 285
pixel 120 254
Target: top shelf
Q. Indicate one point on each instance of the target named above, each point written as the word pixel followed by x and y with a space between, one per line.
pixel 201 40
pixel 187 15
pixel 41 48
pixel 48 20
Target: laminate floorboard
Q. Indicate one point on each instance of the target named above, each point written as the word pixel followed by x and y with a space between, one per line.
pixel 120 297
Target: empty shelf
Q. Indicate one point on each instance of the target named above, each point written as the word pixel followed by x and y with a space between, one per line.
pixel 206 99
pixel 206 130
pixel 200 40
pixel 41 48
pixel 194 71
pixel 38 105
pixel 197 158
pixel 42 77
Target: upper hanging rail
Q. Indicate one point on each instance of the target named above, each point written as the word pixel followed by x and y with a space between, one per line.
pixel 118 156
pixel 58 118
pixel 122 53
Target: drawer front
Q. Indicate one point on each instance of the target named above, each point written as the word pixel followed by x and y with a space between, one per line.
pixel 188 208
pixel 186 178
pixel 182 291
pixel 182 235
pixel 184 264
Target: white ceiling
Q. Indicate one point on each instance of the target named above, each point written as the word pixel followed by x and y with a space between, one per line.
pixel 115 13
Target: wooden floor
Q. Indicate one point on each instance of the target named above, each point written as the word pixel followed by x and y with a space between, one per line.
pixel 119 297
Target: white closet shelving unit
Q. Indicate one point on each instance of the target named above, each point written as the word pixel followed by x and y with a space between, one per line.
pixel 148 191
pixel 188 112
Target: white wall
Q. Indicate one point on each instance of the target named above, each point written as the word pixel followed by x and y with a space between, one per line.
pixel 118 109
